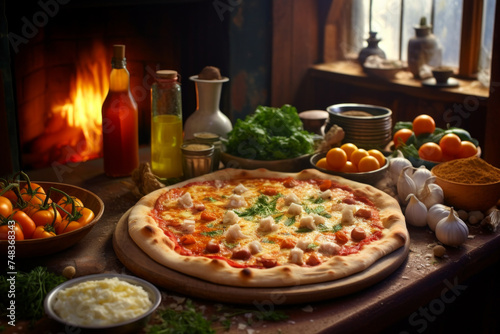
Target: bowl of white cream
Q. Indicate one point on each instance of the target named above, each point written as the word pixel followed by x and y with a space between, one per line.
pixel 103 303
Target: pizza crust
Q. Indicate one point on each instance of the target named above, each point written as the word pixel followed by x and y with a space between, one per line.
pixel 151 239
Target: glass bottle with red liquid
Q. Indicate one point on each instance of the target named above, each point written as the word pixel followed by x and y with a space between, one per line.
pixel 120 120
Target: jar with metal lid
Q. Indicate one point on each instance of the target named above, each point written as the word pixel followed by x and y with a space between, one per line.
pixel 210 138
pixel 196 159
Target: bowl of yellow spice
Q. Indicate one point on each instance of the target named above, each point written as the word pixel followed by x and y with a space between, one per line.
pixel 468 184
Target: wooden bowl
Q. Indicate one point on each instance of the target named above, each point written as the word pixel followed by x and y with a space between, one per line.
pixel 468 197
pixel 370 178
pixel 40 247
pixel 286 165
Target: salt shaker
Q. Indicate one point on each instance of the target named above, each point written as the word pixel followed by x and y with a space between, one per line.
pixel 196 159
pixel 211 139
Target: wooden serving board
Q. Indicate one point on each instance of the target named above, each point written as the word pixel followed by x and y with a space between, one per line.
pixel 143 266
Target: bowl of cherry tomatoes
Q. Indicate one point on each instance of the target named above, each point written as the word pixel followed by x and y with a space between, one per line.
pixel 40 218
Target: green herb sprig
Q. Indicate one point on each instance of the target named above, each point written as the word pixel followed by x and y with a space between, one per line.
pixel 187 321
pixel 31 289
pixel 263 206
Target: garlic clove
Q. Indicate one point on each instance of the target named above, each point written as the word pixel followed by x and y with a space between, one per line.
pixel 452 231
pixel 435 214
pixel 405 185
pixel 416 212
pixel 420 176
pixel 431 193
pixel 396 166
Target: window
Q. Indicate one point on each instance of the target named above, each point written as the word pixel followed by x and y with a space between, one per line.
pixel 393 20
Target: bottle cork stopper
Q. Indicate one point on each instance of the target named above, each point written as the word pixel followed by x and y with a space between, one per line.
pixel 167 74
pixel 118 51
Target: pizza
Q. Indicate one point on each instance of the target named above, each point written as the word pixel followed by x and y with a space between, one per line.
pixel 259 228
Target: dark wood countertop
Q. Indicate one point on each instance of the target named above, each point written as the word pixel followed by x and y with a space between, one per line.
pixel 425 294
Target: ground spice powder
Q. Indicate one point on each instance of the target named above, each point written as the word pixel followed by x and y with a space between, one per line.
pixel 472 170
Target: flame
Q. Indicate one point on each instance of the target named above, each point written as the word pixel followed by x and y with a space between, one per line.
pixel 82 110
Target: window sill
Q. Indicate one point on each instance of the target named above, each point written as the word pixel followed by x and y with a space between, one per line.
pixel 350 72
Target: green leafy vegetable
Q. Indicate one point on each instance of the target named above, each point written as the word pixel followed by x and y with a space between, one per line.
pixel 212 233
pixel 337 227
pixel 31 289
pixel 270 134
pixel 264 206
pixel 303 230
pixel 187 321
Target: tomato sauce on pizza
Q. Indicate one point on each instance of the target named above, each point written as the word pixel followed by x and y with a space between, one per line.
pixel 267 222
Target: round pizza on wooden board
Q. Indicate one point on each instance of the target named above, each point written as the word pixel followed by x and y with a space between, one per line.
pixel 260 228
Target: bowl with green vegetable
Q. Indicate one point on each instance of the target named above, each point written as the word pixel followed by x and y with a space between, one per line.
pixel 271 138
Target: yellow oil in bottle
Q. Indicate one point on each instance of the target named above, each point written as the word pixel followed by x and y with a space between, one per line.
pixel 166 142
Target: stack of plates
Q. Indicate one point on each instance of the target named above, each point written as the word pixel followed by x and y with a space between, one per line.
pixel 366 126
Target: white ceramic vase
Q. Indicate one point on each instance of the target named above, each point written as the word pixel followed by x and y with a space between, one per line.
pixel 207 117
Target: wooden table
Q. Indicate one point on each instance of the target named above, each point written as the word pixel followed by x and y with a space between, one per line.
pixel 425 294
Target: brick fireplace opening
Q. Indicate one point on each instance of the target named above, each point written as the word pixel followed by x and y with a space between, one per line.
pixel 61 53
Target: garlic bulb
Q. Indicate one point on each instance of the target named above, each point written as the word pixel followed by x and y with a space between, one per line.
pixel 416 212
pixel 431 193
pixel 396 166
pixel 451 230
pixel 420 175
pixel 405 185
pixel 435 214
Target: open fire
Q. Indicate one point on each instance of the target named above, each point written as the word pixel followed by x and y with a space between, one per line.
pixel 74 125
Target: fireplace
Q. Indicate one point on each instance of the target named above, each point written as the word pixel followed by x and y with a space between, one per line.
pixel 61 53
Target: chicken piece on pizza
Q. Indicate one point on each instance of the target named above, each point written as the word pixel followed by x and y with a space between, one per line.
pixel 348 215
pixel 267 225
pixel 234 233
pixel 185 201
pixel 255 247
pixel 296 256
pixel 291 198
pixel 327 194
pixel 230 217
pixel 303 244
pixel 187 226
pixel 307 221
pixel 329 248
pixel 236 201
pixel 240 189
pixel 294 209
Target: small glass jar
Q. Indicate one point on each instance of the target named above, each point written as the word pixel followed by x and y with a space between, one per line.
pixel 210 138
pixel 196 159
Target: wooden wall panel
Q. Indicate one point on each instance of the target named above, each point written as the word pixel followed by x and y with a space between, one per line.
pixel 294 50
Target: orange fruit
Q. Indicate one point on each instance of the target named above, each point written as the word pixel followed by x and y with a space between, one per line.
pixel 401 136
pixel 336 158
pixel 349 148
pixel 349 167
pixel 467 149
pixel 368 164
pixel 450 144
pixel 378 155
pixel 357 155
pixel 322 163
pixel 431 152
pixel 423 124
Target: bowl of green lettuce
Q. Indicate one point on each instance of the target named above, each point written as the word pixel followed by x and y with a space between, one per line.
pixel 271 138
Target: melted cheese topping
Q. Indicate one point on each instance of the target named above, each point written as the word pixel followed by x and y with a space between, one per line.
pixel 101 302
pixel 321 220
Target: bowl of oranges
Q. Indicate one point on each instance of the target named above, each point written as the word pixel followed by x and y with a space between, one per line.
pixel 353 163
pixel 423 143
